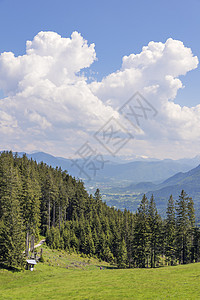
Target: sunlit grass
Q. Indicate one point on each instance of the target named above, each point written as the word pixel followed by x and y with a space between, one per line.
pixel 66 276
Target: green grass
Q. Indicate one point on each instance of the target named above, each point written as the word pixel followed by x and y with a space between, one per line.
pixel 66 276
pixel 62 259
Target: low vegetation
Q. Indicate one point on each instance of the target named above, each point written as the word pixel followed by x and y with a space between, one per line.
pixel 71 260
pixel 70 276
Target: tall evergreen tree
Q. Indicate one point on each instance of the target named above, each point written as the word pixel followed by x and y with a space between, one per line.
pixel 170 232
pixel 30 200
pixel 155 224
pixel 141 240
pixel 122 259
pixel 12 239
pixel 183 228
pixel 195 252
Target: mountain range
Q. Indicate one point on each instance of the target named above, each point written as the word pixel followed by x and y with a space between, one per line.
pixel 158 177
pixel 134 171
pixel 188 181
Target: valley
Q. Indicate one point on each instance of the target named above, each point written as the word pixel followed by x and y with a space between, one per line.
pixel 122 185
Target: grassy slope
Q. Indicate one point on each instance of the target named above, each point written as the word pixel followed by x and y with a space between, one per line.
pixel 72 277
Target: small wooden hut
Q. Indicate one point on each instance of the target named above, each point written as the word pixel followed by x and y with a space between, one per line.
pixel 30 264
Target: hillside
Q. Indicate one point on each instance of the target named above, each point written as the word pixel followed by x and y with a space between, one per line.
pixel 113 180
pixel 55 282
pixel 189 181
pixel 70 260
pixel 130 195
pixel 37 199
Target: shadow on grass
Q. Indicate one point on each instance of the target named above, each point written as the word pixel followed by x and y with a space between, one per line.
pixel 11 269
pixel 107 267
pixel 111 268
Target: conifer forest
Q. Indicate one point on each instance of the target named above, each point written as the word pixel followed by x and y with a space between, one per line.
pixel 36 199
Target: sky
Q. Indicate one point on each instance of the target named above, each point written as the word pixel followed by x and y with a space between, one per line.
pixel 108 77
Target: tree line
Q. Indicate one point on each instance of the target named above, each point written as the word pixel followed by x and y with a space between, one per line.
pixel 38 199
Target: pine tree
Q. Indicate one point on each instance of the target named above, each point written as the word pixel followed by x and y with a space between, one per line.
pixel 170 232
pixel 155 232
pixel 191 211
pixel 183 227
pixel 107 254
pixel 49 194
pixel 191 229
pixel 195 253
pixel 141 240
pixel 30 200
pixel 12 239
pixel 122 259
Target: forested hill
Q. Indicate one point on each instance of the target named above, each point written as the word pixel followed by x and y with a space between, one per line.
pixel 36 198
pixel 135 171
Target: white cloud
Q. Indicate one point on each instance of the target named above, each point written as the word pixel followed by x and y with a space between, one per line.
pixel 51 107
pixel 154 73
pixel 171 58
pixel 45 95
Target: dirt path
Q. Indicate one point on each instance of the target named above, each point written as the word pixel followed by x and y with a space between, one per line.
pixel 40 243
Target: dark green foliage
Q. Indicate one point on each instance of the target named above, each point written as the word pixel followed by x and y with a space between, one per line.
pixel 42 259
pixel 170 232
pixel 155 224
pixel 184 227
pixel 36 198
pixel 195 251
pixel 141 240
pixel 11 228
pixel 122 260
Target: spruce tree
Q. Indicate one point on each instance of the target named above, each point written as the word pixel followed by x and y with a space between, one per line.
pixel 12 239
pixel 183 229
pixel 170 232
pixel 191 229
pixel 122 259
pixel 141 240
pixel 30 202
pixel 155 232
pixel 195 253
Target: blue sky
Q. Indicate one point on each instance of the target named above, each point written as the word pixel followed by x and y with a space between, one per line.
pixel 116 28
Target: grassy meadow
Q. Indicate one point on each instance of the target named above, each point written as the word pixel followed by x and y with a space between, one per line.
pixel 65 276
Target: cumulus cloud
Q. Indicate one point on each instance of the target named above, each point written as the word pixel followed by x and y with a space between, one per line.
pixel 46 95
pixel 50 106
pixel 154 73
pixel 48 57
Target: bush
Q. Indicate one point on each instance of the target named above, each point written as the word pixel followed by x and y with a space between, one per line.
pixel 41 259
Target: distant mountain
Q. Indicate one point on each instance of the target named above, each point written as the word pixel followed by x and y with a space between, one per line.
pixel 138 171
pixel 159 177
pixel 50 160
pixel 188 181
pixel 191 161
pixel 130 196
